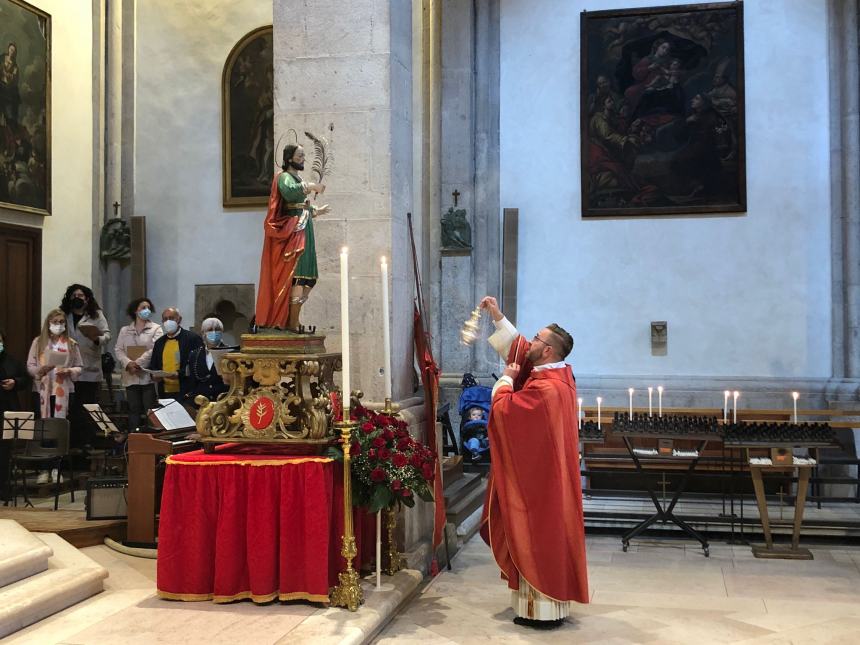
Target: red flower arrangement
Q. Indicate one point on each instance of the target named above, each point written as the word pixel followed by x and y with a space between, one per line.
pixel 389 467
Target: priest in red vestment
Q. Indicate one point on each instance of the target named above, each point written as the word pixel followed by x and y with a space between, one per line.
pixel 533 511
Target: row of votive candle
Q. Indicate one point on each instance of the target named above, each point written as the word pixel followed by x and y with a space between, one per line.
pixel 735 395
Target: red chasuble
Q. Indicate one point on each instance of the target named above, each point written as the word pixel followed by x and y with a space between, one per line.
pixel 533 511
pixel 282 247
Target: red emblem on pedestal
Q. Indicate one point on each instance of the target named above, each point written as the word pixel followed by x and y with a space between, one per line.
pixel 262 413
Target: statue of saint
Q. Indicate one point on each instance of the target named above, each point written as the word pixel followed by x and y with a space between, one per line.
pixel 288 267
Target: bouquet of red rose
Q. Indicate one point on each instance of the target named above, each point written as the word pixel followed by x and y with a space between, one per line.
pixel 389 467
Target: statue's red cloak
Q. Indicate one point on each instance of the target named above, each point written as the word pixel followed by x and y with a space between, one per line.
pixel 533 511
pixel 282 247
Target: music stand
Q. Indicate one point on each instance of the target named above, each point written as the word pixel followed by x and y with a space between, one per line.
pixel 17 426
pixel 101 418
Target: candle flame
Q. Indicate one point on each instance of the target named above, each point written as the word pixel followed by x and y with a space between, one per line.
pixel 344 250
pixel 726 393
pixel 383 261
pixel 600 399
pixel 660 389
pixel 736 394
pixel 630 390
pixel 650 389
pixel 795 395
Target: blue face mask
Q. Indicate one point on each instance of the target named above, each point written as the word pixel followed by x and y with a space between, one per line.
pixel 214 337
pixel 170 326
pixel 1 348
pixel 144 314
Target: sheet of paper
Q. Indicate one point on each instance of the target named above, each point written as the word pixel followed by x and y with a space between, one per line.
pixel 162 373
pixel 173 416
pixel 102 420
pixel 135 351
pixel 24 422
pixel 55 359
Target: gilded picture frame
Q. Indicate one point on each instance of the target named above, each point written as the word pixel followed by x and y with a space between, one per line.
pixel 247 121
pixel 25 108
pixel 662 118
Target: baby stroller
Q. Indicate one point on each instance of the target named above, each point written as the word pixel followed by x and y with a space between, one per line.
pixel 474 410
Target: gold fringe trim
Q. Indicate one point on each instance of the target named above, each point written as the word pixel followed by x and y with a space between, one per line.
pixel 177 461
pixel 198 597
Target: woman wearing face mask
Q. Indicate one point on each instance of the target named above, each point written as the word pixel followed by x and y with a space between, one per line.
pixel 201 364
pixel 133 351
pixel 88 327
pixel 55 364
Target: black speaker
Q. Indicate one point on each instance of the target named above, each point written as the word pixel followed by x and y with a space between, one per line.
pixel 107 498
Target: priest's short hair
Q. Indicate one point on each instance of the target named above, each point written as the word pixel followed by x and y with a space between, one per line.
pixel 563 340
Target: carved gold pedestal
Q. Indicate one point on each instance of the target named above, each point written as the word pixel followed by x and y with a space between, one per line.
pixel 280 392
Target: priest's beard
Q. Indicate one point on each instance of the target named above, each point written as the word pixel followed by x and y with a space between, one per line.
pixel 297 166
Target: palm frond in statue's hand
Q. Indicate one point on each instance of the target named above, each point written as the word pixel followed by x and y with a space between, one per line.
pixel 323 158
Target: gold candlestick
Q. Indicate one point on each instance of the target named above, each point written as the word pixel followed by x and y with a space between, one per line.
pixel 395 559
pixel 469 333
pixel 348 592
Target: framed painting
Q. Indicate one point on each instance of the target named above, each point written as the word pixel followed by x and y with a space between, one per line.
pixel 247 123
pixel 662 111
pixel 25 108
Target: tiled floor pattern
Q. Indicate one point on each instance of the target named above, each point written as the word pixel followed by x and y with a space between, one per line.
pixel 661 591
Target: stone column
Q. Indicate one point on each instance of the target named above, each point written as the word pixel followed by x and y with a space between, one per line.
pixel 347 66
pixel 470 165
pixel 845 180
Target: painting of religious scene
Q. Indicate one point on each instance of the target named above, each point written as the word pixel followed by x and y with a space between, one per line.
pixel 662 111
pixel 247 109
pixel 25 108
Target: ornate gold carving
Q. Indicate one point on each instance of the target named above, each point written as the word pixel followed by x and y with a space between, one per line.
pixel 272 397
pixel 393 560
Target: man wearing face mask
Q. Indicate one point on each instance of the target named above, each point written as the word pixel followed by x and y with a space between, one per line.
pixel 171 353
pixel 202 369
pixel 88 327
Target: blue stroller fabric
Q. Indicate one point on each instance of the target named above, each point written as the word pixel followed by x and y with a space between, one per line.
pixel 473 432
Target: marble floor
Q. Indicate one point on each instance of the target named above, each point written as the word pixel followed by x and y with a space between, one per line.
pixel 661 591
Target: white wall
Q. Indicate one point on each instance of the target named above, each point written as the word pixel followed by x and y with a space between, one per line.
pixel 744 295
pixel 191 238
pixel 67 238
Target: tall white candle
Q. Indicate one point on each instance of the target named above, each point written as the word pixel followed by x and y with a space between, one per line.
pixel 579 415
pixel 735 396
pixel 650 396
pixel 795 396
pixel 630 413
pixel 344 329
pixel 386 331
pixel 599 401
pixel 379 549
pixel 660 400
pixel 726 406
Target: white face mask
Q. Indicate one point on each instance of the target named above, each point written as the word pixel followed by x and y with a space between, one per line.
pixel 57 328
pixel 170 326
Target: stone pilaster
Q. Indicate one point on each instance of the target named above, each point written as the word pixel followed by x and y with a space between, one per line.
pixel 348 66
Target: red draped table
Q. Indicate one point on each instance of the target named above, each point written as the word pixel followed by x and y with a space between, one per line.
pixel 244 524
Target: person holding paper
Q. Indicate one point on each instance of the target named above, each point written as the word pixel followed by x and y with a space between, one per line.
pixel 133 350
pixel 88 327
pixel 170 354
pixel 202 365
pixel 55 364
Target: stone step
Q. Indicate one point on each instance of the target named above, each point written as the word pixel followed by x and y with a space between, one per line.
pixel 461 488
pixel 452 469
pixel 464 507
pixel 70 578
pixel 22 554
